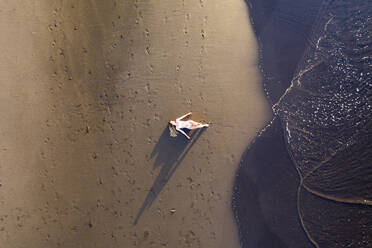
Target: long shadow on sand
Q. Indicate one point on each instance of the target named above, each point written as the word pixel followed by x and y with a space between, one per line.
pixel 169 152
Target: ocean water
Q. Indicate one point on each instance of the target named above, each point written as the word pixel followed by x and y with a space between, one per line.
pixel 315 188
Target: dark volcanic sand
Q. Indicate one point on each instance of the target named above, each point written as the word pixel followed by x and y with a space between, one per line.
pixel 306 180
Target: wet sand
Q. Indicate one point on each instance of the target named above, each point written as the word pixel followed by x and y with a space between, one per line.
pixel 87 91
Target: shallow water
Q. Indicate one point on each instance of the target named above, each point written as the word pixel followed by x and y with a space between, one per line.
pixel 314 188
pixel 87 91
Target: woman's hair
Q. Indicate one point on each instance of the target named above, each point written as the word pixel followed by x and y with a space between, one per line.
pixel 172 130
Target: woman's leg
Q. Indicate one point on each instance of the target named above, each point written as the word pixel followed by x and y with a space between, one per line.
pixel 196 125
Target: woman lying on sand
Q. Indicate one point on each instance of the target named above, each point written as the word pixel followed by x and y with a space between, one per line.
pixel 179 124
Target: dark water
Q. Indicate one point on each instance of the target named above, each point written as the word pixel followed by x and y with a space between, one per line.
pixel 306 180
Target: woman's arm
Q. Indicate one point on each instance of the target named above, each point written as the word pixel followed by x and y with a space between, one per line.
pixel 181 131
pixel 184 116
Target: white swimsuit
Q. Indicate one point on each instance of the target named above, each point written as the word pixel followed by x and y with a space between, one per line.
pixel 183 124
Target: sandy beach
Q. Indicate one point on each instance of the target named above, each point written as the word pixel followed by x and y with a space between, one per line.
pixel 87 90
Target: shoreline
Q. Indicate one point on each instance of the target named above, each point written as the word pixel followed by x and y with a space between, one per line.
pixel 302 180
